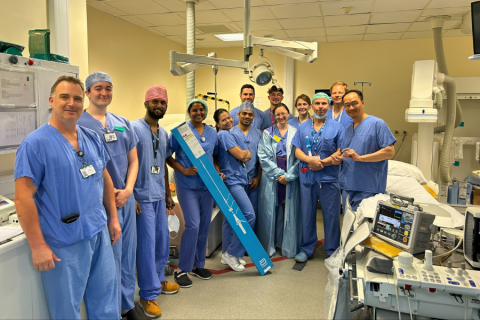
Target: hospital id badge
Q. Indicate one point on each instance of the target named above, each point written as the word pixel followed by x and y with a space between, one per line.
pixel 277 138
pixel 87 171
pixel 109 137
pixel 155 170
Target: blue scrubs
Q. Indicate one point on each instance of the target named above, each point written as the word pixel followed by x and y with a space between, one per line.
pixel 343 118
pixel 269 119
pixel 294 122
pixel 257 121
pixel 87 269
pixel 196 202
pixel 153 237
pixel 361 180
pixel 124 250
pixel 251 141
pixel 321 185
pixel 236 182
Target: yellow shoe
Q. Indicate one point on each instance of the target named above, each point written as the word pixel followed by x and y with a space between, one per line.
pixel 169 288
pixel 150 308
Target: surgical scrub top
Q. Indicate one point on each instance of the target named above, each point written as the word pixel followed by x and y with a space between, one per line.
pixel 371 135
pixel 269 119
pixel 150 187
pixel 251 141
pixel 118 150
pixel 234 170
pixel 343 118
pixel 281 150
pixel 294 122
pixel 210 146
pixel 328 142
pixel 52 163
pixel 257 120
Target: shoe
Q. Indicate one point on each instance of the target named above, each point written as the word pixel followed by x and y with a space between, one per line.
pixel 133 315
pixel 202 273
pixel 169 288
pixel 182 279
pixel 150 308
pixel 233 262
pixel 301 257
pixel 243 262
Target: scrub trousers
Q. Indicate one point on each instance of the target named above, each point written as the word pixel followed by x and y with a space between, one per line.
pixel 356 197
pixel 153 248
pixel 86 271
pixel 197 206
pixel 253 196
pixel 124 251
pixel 329 196
pixel 230 241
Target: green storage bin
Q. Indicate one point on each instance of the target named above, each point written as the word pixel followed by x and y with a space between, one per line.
pixel 58 58
pixel 39 43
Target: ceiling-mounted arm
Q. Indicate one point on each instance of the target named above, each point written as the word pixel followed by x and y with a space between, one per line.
pixel 193 62
pixel 286 47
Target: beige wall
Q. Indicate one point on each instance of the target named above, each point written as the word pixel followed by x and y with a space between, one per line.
pixel 386 64
pixel 135 59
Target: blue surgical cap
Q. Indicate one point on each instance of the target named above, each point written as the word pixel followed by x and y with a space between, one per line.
pixel 321 95
pixel 199 101
pixel 97 77
pixel 247 105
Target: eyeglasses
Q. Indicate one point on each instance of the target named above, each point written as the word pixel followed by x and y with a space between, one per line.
pixel 281 115
pixel 353 104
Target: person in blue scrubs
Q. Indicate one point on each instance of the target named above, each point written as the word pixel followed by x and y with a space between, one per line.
pixel 275 96
pixel 63 194
pixel 232 156
pixel 194 198
pixel 367 145
pixel 337 111
pixel 319 141
pixel 152 196
pixel 279 223
pixel 247 94
pixel 302 103
pixel 120 141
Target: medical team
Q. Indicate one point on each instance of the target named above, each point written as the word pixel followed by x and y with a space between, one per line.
pixel 92 189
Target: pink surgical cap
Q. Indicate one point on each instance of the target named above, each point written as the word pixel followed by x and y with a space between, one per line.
pixel 156 92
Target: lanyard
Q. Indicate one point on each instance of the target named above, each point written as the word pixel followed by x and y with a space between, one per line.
pixel 315 142
pixel 154 143
pixel 333 116
pixel 271 117
pixel 81 154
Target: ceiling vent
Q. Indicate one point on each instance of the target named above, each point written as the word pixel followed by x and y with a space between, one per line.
pixel 216 28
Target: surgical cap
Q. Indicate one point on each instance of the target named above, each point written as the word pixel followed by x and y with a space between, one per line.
pixel 246 106
pixel 97 77
pixel 199 101
pixel 321 95
pixel 156 92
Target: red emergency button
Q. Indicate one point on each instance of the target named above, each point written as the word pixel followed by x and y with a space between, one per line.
pixel 408 287
pixel 404 239
pixel 432 290
pixel 30 62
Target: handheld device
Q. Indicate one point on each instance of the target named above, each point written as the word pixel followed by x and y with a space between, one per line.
pixel 70 218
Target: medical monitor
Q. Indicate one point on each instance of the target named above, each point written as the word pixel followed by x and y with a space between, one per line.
pixel 476 26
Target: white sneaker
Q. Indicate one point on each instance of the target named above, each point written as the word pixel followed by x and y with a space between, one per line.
pixel 233 262
pixel 243 262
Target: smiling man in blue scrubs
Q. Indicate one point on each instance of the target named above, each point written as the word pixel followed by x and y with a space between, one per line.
pixel 367 145
pixel 247 94
pixel 63 194
pixel 337 111
pixel 120 141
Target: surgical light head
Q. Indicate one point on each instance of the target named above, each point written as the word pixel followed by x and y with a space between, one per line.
pixel 261 73
pixel 97 77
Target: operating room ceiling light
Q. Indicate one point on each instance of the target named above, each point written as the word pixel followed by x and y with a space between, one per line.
pixel 261 73
pixel 230 36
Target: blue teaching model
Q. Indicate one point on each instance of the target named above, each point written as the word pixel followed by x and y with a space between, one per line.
pixel 192 148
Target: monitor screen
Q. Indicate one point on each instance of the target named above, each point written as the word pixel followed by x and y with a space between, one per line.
pixel 476 26
pixel 390 218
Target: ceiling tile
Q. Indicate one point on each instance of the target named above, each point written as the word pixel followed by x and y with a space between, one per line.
pixel 263 25
pixel 455 33
pixel 339 31
pixel 136 21
pixel 396 5
pixel 382 36
pixel 172 30
pixel 207 38
pixel 138 7
pixel 310 22
pixel 277 34
pixel 235 43
pixel 259 13
pixel 346 20
pixel 163 19
pixel 215 44
pixel 301 33
pixel 300 10
pixel 393 17
pixel 388 27
pixel 427 26
pixel 107 8
pixel 176 39
pixel 275 2
pixel 448 4
pixel 225 4
pixel 179 6
pixel 345 38
pixel 335 8
pixel 455 13
pixel 207 17
pixel 417 35
pixel 155 31
pixel 313 39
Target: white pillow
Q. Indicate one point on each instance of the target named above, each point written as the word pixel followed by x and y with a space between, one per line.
pixel 402 169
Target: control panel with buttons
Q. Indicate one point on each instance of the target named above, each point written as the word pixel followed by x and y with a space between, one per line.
pixel 460 281
pixel 405 272
pixel 430 276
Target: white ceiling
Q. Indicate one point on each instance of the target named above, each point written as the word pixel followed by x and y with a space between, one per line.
pixel 307 20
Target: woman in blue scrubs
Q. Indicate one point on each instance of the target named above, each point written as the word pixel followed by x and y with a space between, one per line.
pixel 194 197
pixel 232 155
pixel 318 142
pixel 279 221
pixel 302 103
